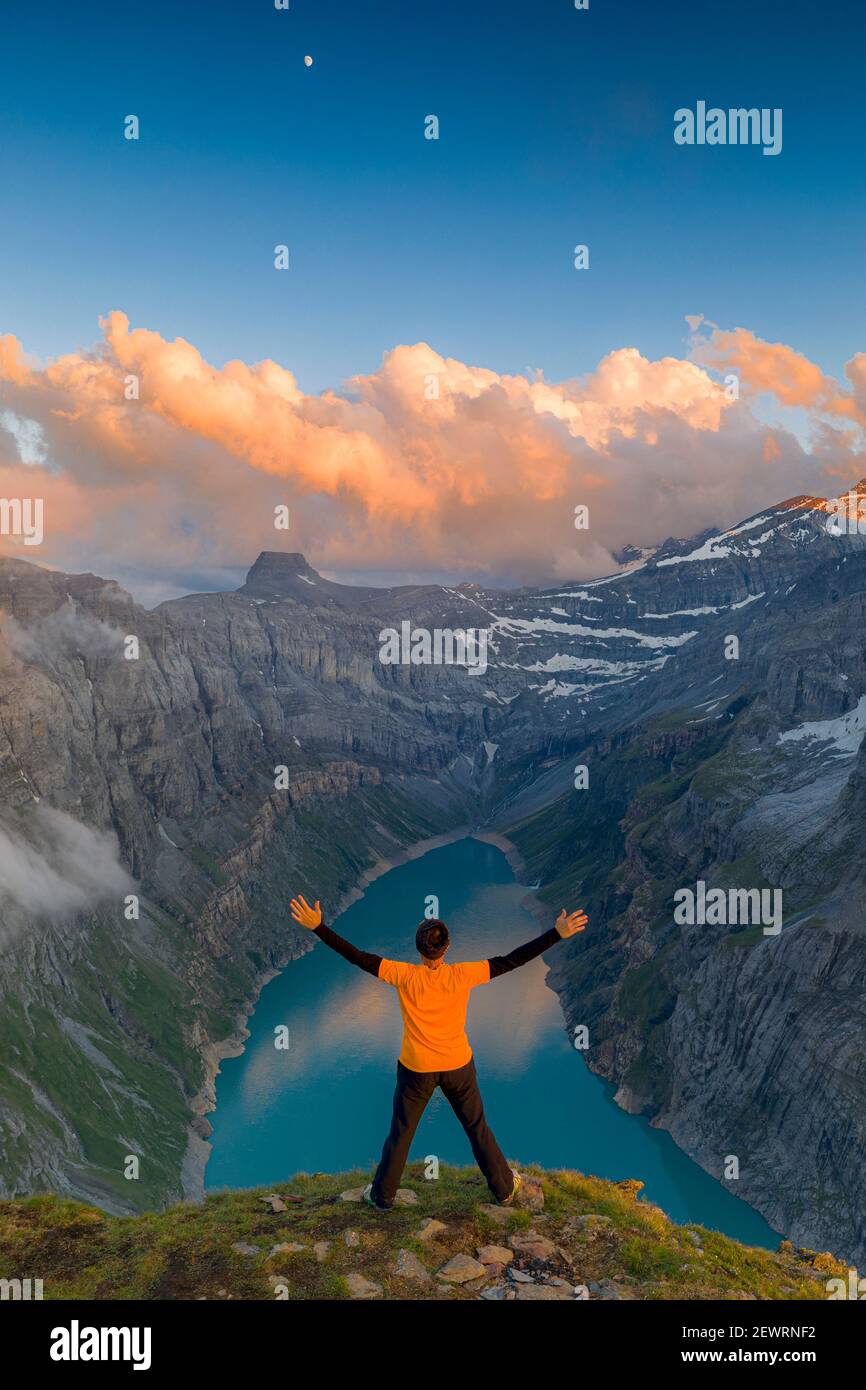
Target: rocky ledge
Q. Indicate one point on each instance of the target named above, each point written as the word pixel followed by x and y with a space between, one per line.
pixel 572 1238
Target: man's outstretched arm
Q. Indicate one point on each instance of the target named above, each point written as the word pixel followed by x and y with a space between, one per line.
pixel 311 918
pixel 567 924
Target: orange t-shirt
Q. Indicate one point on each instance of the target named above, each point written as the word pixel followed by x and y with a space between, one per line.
pixel 433 1004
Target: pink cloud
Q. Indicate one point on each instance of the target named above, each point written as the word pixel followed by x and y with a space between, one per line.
pixel 427 466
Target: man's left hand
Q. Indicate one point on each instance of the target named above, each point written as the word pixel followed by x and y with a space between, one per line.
pixel 569 923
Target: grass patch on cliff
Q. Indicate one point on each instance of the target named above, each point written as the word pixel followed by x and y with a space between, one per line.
pixel 101 1047
pixel 645 997
pixel 603 1237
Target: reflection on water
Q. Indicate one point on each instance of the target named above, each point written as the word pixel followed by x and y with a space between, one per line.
pixel 324 1105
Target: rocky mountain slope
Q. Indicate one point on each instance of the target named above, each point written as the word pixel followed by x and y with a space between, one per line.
pixel 255 741
pixel 745 773
pixel 583 1239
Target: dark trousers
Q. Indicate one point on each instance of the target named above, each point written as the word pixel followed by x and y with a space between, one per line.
pixel 460 1088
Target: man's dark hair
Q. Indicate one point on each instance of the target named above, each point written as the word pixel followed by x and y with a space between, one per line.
pixel 431 938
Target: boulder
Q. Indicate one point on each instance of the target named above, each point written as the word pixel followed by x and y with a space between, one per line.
pixel 545 1292
pixel 408 1266
pixel 501 1215
pixel 460 1269
pixel 476 1285
pixel 533 1246
pixel 361 1287
pixel 494 1255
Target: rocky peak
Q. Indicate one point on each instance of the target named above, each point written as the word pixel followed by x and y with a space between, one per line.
pixel 280 574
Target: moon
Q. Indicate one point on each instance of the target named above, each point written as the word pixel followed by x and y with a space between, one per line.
pixel 308 62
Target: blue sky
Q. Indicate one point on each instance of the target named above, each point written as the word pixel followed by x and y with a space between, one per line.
pixel 556 128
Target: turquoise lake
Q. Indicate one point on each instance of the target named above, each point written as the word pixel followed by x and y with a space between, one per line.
pixel 324 1104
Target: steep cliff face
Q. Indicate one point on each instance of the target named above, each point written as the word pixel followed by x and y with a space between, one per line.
pixel 257 742
pixel 743 1044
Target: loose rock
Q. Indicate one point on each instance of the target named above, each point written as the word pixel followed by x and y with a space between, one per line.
pixel 408 1266
pixel 361 1287
pixel 460 1269
pixel 494 1255
pixel 274 1201
pixel 501 1215
pixel 475 1285
pixel 533 1246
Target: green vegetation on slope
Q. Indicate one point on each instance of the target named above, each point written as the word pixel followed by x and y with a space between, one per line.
pixel 590 1233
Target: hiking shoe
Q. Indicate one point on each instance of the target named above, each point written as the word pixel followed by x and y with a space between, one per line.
pixel 510 1199
pixel 368 1197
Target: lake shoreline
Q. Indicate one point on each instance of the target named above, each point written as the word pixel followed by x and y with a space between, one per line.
pixel 450 837
pixel 203 1103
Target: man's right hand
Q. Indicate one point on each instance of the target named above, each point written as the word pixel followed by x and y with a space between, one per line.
pixel 304 915
pixel 570 923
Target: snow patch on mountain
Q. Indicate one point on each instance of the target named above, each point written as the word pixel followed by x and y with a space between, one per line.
pixel 717 547
pixel 700 612
pixel 845 732
pixel 532 627
pixel 596 666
